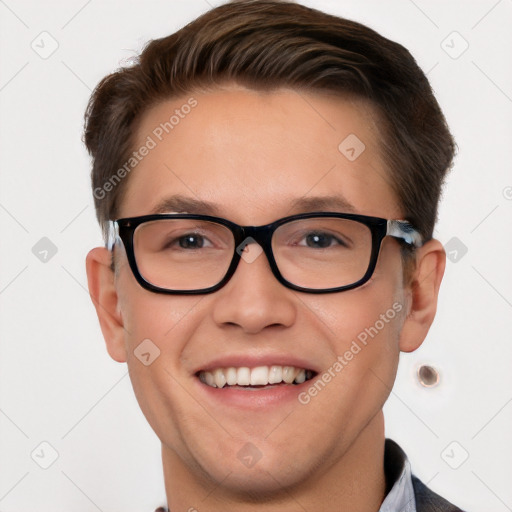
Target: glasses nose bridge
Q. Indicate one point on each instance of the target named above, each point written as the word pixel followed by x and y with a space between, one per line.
pixel 262 235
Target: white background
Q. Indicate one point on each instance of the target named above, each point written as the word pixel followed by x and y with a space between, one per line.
pixel 57 383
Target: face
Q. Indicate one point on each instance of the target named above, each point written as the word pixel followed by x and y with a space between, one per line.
pixel 252 156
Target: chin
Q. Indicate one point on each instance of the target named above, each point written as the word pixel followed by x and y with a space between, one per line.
pixel 261 479
pixel 265 484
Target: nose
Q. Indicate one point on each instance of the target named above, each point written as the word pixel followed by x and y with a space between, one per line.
pixel 254 299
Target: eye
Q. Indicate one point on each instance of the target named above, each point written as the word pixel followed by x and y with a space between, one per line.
pixel 321 240
pixel 191 241
pixel 188 241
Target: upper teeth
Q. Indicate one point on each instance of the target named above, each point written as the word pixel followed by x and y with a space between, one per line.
pixel 258 376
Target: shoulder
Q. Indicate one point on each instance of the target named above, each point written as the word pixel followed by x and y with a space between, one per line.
pixel 429 501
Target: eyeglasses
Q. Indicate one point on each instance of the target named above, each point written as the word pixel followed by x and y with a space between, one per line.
pixel 311 252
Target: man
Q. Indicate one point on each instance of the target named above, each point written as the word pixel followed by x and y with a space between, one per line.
pixel 267 180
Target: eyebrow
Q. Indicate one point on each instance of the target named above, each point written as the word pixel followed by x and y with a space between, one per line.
pixel 183 204
pixel 323 203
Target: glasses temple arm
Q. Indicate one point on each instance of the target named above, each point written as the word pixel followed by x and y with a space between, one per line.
pixel 405 231
pixel 112 234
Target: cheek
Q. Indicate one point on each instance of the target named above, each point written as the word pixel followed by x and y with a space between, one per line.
pixel 154 316
pixel 374 311
pixel 154 339
pixel 156 330
pixel 362 327
pixel 363 331
pixel 168 408
pixel 363 334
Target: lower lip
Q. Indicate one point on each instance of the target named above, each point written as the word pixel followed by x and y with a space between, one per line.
pixel 252 398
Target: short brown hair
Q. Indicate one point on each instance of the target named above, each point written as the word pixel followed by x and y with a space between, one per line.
pixel 265 45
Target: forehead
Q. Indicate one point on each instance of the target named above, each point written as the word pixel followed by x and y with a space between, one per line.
pixel 254 156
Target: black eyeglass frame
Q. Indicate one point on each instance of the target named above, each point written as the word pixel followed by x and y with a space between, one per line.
pixel 124 229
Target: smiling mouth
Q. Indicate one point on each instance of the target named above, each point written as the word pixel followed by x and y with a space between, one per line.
pixel 255 378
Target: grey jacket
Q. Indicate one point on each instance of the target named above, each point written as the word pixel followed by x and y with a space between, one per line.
pixel 429 501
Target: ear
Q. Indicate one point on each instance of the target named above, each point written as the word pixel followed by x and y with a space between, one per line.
pixel 102 290
pixel 423 293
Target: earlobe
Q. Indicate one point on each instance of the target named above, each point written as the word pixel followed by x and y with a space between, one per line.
pixel 100 278
pixel 423 291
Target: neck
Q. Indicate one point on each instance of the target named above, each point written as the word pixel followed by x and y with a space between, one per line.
pixel 355 481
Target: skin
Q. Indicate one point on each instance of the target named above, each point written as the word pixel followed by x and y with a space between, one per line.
pixel 253 154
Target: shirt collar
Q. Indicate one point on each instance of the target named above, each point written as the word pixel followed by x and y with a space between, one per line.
pixel 398 476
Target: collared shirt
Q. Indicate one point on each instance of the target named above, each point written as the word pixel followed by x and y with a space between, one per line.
pixel 398 473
